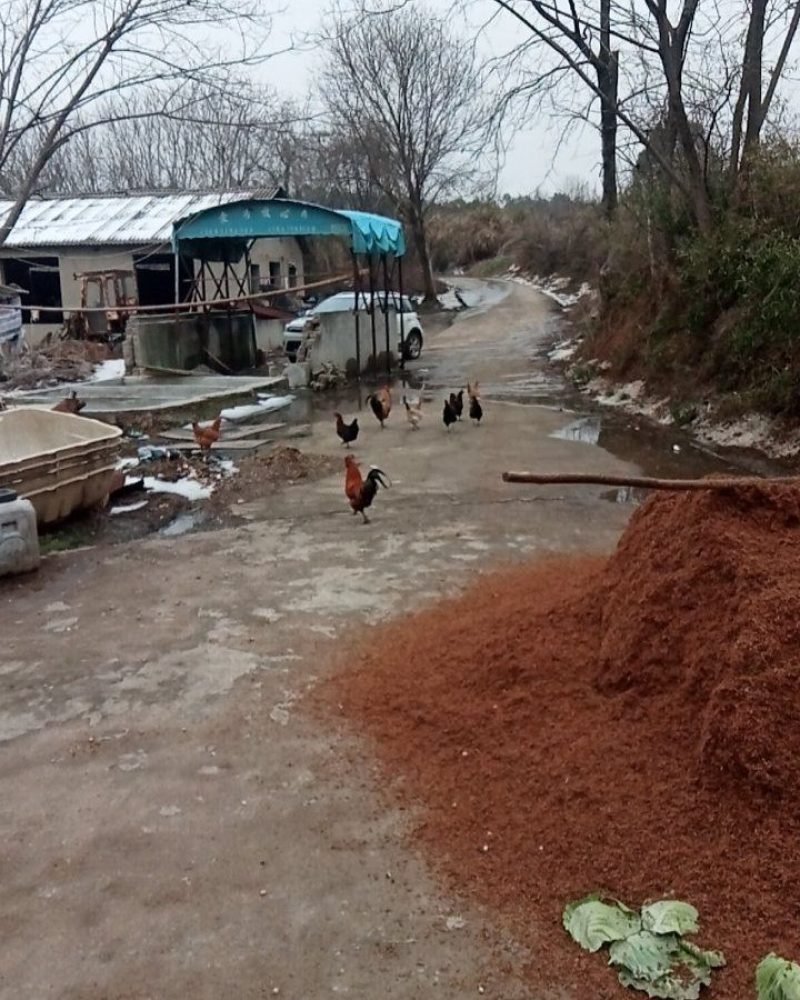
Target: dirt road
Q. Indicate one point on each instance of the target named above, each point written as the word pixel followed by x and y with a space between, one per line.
pixel 173 822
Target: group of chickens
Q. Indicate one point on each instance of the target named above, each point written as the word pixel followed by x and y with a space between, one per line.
pixel 360 491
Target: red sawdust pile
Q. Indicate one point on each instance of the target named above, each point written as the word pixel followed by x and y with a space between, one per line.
pixel 630 725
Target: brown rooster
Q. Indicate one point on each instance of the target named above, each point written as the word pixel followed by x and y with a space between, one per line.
pixel 207 436
pixel 359 491
pixel 381 403
pixel 70 404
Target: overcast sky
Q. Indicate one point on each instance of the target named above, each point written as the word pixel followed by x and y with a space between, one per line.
pixel 533 160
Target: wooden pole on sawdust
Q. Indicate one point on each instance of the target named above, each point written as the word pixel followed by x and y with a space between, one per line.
pixel 647 482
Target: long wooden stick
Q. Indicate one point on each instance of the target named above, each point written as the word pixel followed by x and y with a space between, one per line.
pixel 178 306
pixel 646 482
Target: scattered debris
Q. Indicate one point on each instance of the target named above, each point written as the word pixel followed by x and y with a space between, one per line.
pixel 329 376
pixel 53 362
pixel 259 473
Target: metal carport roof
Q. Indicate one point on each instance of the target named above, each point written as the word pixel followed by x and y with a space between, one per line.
pixel 224 232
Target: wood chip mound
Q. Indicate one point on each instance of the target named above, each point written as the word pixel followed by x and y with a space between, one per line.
pixel 629 725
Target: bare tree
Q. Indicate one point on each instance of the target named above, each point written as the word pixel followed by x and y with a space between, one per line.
pixel 61 62
pixel 680 76
pixel 407 93
pixel 222 137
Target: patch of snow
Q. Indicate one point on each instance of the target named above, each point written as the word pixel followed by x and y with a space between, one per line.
pixel 189 488
pixel 563 351
pixel 107 370
pixel 127 463
pixel 126 508
pixel 751 431
pixel 265 404
pixel 552 286
pixel 631 397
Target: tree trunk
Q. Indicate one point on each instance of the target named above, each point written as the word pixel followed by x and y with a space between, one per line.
pixel 607 84
pixel 607 81
pixel 752 74
pixel 701 205
pixel 420 236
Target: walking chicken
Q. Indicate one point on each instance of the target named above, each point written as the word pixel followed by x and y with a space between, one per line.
pixel 359 491
pixel 381 403
pixel 208 435
pixel 413 412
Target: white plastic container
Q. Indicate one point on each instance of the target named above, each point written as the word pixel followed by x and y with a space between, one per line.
pixel 19 540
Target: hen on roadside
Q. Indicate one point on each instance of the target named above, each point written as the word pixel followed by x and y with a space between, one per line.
pixel 413 412
pixel 347 432
pixel 475 410
pixel 207 436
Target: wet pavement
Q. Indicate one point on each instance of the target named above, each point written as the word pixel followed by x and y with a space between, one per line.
pixel 512 368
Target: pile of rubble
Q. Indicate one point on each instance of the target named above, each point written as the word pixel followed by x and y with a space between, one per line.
pixel 52 363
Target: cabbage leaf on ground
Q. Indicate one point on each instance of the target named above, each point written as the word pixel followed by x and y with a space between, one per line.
pixel 777 979
pixel 648 949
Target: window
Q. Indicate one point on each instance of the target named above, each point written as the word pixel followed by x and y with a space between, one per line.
pixel 275 274
pixel 155 279
pixel 40 277
pixel 292 275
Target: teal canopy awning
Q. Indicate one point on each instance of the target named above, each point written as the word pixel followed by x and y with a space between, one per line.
pixel 224 232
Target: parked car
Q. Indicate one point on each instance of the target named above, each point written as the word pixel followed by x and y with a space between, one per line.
pixel 345 302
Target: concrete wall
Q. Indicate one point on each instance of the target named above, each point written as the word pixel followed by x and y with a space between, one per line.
pixel 269 334
pixel 337 342
pixel 184 342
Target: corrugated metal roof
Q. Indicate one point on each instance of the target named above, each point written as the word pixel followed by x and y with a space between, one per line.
pixel 102 220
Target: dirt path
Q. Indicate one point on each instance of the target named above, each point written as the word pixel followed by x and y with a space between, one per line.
pixel 173 824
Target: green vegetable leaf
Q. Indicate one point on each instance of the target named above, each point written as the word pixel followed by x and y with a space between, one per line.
pixel 777 979
pixel 645 955
pixel 666 987
pixel 592 922
pixel 697 957
pixel 670 916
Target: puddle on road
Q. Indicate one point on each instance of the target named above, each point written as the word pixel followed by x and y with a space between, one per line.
pixel 585 429
pixel 181 525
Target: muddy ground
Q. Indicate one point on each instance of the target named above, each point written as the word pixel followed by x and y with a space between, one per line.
pixel 174 822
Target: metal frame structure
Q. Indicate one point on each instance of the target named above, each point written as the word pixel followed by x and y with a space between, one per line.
pixel 225 235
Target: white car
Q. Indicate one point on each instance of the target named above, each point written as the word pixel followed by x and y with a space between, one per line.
pixel 345 302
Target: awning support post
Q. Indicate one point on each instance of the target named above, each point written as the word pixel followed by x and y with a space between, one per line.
pixel 386 314
pixel 357 301
pixel 372 314
pixel 402 313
